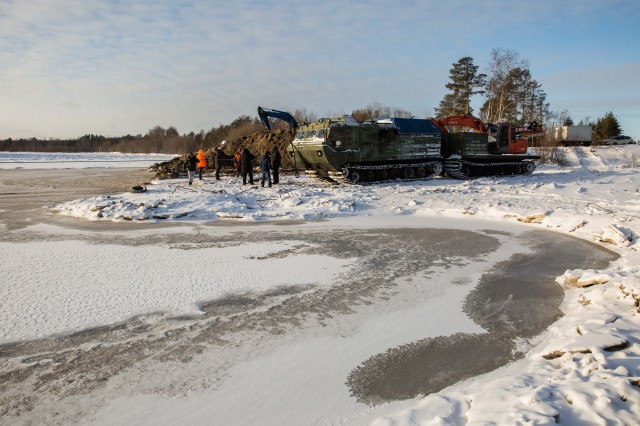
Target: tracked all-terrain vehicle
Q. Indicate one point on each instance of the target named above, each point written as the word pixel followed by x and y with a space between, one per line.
pixel 385 149
pixel 372 151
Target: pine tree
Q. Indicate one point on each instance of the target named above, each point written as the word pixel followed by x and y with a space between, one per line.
pixel 447 106
pixel 606 127
pixel 567 121
pixel 464 82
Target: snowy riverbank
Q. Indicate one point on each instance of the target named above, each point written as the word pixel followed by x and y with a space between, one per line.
pixel 584 369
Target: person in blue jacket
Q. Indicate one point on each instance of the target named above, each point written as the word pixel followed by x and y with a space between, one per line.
pixel 265 167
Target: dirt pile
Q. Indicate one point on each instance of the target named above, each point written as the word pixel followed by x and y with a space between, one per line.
pixel 257 143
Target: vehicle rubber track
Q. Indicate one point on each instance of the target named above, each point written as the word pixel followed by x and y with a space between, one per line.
pixel 365 174
pixel 462 169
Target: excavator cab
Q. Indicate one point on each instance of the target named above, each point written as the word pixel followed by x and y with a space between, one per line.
pixel 506 141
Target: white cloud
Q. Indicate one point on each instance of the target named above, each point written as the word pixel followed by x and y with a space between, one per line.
pixel 74 67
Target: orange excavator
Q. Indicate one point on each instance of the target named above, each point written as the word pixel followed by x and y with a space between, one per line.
pixel 507 136
pixel 491 149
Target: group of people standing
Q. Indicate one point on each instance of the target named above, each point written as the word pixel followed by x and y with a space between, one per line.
pixel 193 163
pixel 269 164
pixel 243 161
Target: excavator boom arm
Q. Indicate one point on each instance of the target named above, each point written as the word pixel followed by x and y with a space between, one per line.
pixel 265 113
pixel 460 120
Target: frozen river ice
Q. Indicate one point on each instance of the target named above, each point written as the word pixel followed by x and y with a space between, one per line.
pixel 410 309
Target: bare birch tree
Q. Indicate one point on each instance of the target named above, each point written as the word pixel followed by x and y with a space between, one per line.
pixel 500 84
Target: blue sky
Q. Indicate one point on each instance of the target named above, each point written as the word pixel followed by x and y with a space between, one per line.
pixel 72 67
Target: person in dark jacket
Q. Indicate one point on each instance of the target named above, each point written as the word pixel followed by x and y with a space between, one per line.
pixel 275 165
pixel 190 166
pixel 218 161
pixel 246 166
pixel 265 168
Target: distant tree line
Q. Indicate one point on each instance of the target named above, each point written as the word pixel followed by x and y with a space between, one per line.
pixel 377 110
pixel 156 140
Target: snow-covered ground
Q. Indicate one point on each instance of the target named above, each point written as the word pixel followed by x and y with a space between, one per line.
pixel 583 370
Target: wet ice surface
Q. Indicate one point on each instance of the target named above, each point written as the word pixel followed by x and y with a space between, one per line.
pixel 515 300
pixel 398 275
pixel 114 275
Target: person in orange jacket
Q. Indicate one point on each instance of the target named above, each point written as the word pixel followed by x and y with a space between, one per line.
pixel 202 163
pixel 237 164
